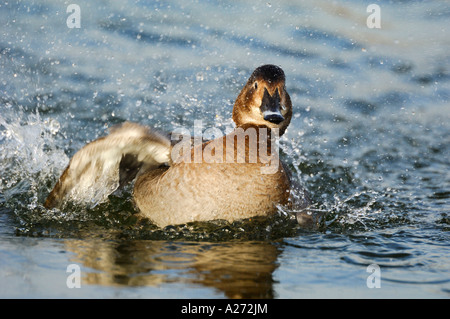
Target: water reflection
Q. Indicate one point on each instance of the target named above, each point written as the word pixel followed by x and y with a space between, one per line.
pixel 236 269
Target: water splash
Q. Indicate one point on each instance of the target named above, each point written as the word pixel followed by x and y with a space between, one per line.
pixel 31 162
pixel 29 159
pixel 340 201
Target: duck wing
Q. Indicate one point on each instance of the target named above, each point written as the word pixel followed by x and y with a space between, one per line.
pixel 108 163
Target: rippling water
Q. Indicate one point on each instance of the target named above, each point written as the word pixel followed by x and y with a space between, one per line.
pixel 369 140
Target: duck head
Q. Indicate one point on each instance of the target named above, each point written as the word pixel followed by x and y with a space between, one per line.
pixel 264 100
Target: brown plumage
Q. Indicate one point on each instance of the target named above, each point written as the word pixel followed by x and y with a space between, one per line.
pixel 232 177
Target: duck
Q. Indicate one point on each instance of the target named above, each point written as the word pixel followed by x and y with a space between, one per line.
pixel 232 177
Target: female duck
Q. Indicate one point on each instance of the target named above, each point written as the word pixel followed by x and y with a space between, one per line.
pixel 233 177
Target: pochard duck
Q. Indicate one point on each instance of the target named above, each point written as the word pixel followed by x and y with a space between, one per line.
pixel 232 177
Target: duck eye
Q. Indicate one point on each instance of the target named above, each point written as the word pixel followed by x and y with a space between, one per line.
pixel 256 85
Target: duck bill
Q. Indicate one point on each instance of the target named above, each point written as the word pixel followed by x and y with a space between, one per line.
pixel 270 107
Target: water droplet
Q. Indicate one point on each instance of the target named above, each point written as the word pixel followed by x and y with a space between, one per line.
pixel 53 126
pixel 199 76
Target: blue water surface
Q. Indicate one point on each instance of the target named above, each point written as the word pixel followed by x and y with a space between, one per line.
pixel 369 140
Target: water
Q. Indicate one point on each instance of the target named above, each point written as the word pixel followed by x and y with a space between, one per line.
pixel 369 140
